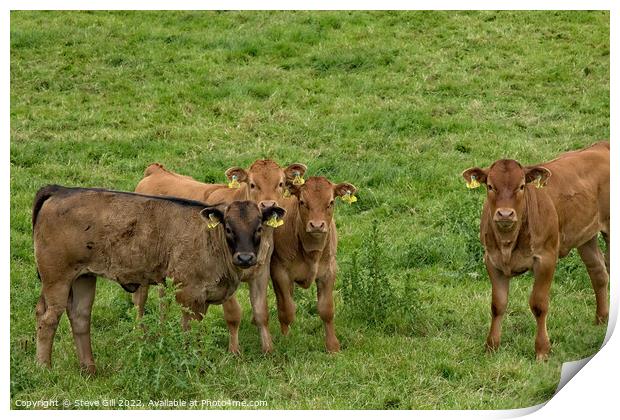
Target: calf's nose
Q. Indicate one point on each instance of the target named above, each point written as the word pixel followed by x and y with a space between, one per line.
pixel 505 213
pixel 245 259
pixel 314 225
pixel 265 204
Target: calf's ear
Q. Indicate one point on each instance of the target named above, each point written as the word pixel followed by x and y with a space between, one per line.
pixel 213 215
pixel 294 189
pixel 269 212
pixel 537 174
pixel 343 189
pixel 293 171
pixel 240 173
pixel 475 176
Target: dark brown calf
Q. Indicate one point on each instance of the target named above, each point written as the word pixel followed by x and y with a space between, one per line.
pixel 305 251
pixel 527 227
pixel 135 240
pixel 265 182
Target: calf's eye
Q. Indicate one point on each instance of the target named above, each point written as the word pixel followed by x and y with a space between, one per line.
pixel 522 187
pixel 228 231
pixel 280 184
pixel 252 185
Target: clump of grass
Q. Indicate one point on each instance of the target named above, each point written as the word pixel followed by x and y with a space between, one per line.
pixel 161 355
pixel 368 293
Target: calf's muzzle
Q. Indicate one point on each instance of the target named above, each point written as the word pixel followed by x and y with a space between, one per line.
pixel 505 218
pixel 244 259
pixel 265 204
pixel 316 226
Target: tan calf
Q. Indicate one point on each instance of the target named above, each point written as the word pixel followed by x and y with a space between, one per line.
pixel 527 227
pixel 306 251
pixel 158 180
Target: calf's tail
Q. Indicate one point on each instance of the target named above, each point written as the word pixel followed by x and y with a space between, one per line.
pixel 42 195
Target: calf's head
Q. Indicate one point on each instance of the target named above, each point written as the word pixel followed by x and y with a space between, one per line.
pixel 242 222
pixel 316 202
pixel 266 181
pixel 506 181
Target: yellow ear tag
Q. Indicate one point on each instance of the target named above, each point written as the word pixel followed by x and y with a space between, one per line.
pixel 213 221
pixel 298 180
pixel 349 198
pixel 274 221
pixel 234 183
pixel 538 181
pixel 473 183
pixel 286 193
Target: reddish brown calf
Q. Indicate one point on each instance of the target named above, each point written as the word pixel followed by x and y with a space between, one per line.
pixel 527 227
pixel 305 251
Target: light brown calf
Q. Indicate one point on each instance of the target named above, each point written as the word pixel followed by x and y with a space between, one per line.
pixel 306 251
pixel 133 239
pixel 264 183
pixel 158 180
pixel 527 227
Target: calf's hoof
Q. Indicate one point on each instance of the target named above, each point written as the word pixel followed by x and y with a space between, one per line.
pixel 601 319
pixel 89 369
pixel 492 345
pixel 234 349
pixel 267 348
pixel 141 326
pixel 542 351
pixel 44 364
pixel 332 346
pixel 284 328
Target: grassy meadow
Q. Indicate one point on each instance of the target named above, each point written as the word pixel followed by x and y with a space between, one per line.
pixel 397 103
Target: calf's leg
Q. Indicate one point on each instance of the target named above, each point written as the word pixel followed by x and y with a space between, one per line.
pixel 260 312
pixel 51 305
pixel 193 301
pixel 544 268
pixel 499 301
pixel 232 316
pixel 606 238
pixel 192 314
pixel 283 289
pixel 163 304
pixel 325 306
pixel 139 299
pixel 79 309
pixel 592 257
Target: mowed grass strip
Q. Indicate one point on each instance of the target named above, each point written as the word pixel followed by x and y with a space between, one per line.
pixel 397 103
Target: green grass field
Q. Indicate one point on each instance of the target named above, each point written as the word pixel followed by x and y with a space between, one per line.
pixel 397 104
